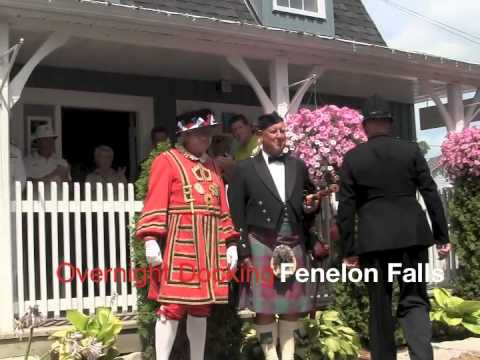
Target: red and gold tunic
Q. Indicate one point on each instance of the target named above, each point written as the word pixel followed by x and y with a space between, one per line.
pixel 186 205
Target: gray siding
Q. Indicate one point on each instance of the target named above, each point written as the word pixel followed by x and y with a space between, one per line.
pixel 166 91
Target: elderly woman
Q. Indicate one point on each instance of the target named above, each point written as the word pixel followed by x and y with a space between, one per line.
pixel 104 173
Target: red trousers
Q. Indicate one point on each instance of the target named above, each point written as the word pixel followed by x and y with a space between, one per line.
pixel 178 311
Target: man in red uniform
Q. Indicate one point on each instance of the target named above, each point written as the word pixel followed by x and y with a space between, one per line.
pixel 186 217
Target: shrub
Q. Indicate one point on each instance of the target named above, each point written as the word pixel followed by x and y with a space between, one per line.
pixel 464 210
pixel 145 308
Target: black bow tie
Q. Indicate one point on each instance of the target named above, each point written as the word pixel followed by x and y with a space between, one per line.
pixel 273 158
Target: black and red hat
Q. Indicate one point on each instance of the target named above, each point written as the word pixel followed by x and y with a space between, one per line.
pixel 195 120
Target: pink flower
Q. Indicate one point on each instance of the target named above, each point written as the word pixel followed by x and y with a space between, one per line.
pixel 461 153
pixel 322 137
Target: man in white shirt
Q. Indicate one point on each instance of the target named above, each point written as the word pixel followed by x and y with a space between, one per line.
pixel 17 168
pixel 269 206
pixel 44 165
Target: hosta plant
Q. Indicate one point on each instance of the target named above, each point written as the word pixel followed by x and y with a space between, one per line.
pixel 328 337
pixel 89 338
pixel 454 311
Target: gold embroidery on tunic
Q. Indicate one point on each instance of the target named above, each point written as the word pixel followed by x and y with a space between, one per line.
pixel 201 173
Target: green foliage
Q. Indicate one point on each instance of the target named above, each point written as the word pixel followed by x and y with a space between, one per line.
pixel 328 337
pixel 424 147
pixel 141 185
pixel 89 337
pixel 224 334
pixel 455 311
pixel 146 308
pixel 464 210
pixel 351 299
pixel 250 348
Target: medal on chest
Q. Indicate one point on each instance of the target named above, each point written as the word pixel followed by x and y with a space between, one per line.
pixel 204 186
pixel 199 188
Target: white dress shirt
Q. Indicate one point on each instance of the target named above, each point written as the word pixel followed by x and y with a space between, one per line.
pixel 38 167
pixel 17 168
pixel 277 170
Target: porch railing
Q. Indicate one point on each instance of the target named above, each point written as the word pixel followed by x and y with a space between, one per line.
pixel 71 246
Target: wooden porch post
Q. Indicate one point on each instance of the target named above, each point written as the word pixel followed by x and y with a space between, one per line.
pixel 279 99
pixel 444 113
pixel 279 91
pixel 6 270
pixel 241 66
pixel 473 110
pixel 455 106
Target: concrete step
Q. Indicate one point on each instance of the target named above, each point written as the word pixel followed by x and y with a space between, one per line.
pixel 452 350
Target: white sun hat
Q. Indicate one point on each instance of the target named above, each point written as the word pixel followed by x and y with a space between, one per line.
pixel 44 131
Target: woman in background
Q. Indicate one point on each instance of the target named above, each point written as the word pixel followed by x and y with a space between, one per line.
pixel 104 173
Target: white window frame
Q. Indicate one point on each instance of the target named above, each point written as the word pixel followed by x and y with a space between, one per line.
pixel 320 14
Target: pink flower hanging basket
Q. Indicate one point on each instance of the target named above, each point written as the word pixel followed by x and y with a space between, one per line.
pixel 321 138
pixel 461 153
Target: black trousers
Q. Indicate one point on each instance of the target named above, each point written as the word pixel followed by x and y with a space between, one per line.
pixel 413 307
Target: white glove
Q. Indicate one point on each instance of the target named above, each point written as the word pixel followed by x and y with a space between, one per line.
pixel 232 256
pixel 153 253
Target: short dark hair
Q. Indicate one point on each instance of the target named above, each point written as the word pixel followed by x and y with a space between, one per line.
pixel 158 129
pixel 267 120
pixel 239 117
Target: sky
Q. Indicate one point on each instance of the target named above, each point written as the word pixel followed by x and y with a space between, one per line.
pixel 407 32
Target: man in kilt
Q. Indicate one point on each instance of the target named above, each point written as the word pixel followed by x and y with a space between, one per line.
pixel 186 218
pixel 267 197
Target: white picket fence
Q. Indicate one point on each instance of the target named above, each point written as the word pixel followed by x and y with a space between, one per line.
pixel 87 227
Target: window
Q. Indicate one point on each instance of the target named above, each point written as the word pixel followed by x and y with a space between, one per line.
pixel 314 8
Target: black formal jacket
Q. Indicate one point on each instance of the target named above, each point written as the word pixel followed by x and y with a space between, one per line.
pixel 379 181
pixel 254 200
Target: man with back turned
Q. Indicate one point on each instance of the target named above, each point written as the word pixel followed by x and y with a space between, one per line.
pixel 379 182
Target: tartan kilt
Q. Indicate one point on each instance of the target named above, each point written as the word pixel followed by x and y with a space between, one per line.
pixel 266 294
pixel 194 271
